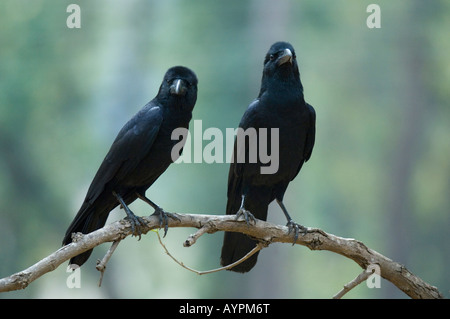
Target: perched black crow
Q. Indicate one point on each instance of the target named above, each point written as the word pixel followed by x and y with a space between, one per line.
pixel 140 153
pixel 280 105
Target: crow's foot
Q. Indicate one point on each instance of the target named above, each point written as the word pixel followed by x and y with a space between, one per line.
pixel 163 218
pixel 297 228
pixel 247 215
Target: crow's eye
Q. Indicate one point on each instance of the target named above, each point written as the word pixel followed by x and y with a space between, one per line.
pixel 272 57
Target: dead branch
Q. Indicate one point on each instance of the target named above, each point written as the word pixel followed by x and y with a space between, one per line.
pixel 267 233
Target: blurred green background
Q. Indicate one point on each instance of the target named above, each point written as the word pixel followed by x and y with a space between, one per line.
pixel 380 170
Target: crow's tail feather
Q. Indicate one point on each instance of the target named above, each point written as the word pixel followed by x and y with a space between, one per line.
pixel 237 245
pixel 88 219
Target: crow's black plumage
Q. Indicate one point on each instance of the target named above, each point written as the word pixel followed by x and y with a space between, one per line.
pixel 140 153
pixel 280 104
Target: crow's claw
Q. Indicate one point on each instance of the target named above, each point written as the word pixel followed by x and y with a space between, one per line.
pixel 247 216
pixel 136 224
pixel 297 228
pixel 163 218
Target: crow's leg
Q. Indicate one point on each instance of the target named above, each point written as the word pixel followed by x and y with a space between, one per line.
pixel 136 221
pixel 163 215
pixel 292 226
pixel 243 212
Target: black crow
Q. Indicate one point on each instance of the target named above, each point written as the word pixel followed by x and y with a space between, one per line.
pixel 279 109
pixel 140 153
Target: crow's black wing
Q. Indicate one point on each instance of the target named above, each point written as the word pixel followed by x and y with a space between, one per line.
pixel 310 138
pixel 311 134
pixel 240 152
pixel 131 145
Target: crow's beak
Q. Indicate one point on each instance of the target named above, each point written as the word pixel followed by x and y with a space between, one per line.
pixel 285 57
pixel 178 87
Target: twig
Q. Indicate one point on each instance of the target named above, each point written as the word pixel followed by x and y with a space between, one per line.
pixel 101 264
pixel 257 248
pixel 192 239
pixel 355 282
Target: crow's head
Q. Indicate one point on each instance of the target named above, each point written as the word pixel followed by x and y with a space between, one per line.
pixel 179 86
pixel 281 61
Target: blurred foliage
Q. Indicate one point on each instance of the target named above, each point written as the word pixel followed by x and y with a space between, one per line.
pixel 380 170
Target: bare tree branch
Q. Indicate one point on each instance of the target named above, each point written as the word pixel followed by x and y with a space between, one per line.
pixel 101 264
pixel 265 232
